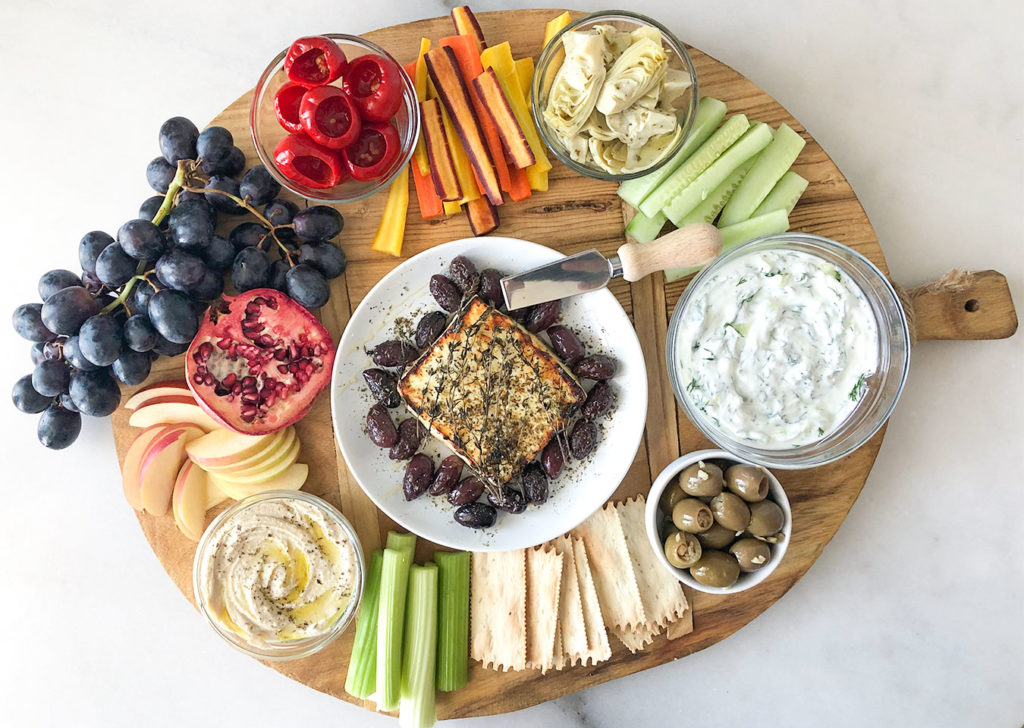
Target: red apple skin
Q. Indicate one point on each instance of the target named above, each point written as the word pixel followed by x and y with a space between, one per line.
pixel 161 389
pixel 133 463
pixel 160 466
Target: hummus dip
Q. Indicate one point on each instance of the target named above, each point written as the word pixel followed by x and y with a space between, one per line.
pixel 277 571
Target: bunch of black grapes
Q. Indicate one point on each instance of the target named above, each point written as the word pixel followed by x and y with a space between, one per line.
pixel 141 293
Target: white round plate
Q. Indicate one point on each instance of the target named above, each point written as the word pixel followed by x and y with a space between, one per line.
pixel 391 310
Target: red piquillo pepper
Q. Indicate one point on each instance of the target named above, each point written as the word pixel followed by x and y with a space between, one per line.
pixel 302 160
pixel 287 101
pixel 314 61
pixel 371 155
pixel 374 84
pixel 329 117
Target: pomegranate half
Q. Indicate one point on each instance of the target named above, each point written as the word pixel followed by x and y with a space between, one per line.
pixel 259 361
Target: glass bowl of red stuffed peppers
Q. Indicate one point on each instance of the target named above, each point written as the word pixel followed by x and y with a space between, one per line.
pixel 334 118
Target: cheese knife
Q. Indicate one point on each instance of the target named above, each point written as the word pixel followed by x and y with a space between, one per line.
pixel 688 246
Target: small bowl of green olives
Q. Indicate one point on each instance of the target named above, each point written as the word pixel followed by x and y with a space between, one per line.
pixel 717 524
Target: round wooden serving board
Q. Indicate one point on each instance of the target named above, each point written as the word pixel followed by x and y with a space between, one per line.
pixel 575 214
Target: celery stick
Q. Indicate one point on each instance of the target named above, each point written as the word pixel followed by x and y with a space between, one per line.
pixel 784 194
pixel 708 152
pixel 420 650
pixel 401 542
pixel 391 618
pixel 752 142
pixel 741 232
pixel 453 619
pixel 644 229
pixel 710 113
pixel 708 210
pixel 361 679
pixel 769 168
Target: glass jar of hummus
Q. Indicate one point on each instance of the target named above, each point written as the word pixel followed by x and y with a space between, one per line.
pixel 279 575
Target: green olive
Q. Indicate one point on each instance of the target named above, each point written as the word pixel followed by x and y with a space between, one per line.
pixel 682 549
pixel 716 537
pixel 701 479
pixel 766 519
pixel 671 495
pixel 749 482
pixel 692 516
pixel 730 510
pixel 716 568
pixel 750 553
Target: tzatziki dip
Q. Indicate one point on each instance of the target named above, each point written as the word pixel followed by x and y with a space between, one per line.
pixel 775 348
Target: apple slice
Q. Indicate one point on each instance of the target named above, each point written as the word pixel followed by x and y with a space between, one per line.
pixel 292 478
pixel 133 462
pixel 188 501
pixel 277 448
pixel 168 413
pixel 265 469
pixel 160 465
pixel 158 391
pixel 214 495
pixel 226 447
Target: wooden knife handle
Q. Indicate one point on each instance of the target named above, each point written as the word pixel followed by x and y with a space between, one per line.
pixel 963 306
pixel 688 246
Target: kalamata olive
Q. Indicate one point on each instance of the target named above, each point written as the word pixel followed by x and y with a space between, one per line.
pixel 535 485
pixel 448 474
pixel 394 353
pixel 566 344
pixel 379 426
pixel 410 434
pixel 730 510
pixel 751 554
pixel 582 439
pixel 544 315
pixel 682 549
pixel 716 537
pixel 692 515
pixel 490 287
pixel 749 482
pixel 429 328
pixel 669 497
pixel 510 500
pixel 476 515
pixel 467 491
pixel 766 519
pixel 600 401
pixel 595 366
pixel 464 273
pixel 552 459
pixel 381 384
pixel 701 479
pixel 445 292
pixel 716 568
pixel 418 474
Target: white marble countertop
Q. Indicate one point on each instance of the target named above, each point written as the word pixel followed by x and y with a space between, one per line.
pixel 914 614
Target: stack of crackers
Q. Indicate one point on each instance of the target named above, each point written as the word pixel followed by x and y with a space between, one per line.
pixel 553 606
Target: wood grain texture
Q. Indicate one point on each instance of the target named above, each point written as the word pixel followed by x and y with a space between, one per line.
pixel 979 309
pixel 575 214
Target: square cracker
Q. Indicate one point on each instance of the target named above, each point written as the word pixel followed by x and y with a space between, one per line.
pixel 572 629
pixel 597 637
pixel 543 585
pixel 612 566
pixel 497 614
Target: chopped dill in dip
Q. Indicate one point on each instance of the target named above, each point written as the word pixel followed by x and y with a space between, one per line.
pixel 777 348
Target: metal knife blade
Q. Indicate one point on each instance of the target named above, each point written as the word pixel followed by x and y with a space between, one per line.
pixel 580 273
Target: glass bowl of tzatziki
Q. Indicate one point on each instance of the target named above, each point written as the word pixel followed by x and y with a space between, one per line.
pixel 279 575
pixel 789 351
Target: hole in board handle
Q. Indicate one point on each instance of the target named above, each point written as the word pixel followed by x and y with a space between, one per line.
pixel 972 305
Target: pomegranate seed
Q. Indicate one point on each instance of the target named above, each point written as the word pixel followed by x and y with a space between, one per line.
pixel 197 378
pixel 224 343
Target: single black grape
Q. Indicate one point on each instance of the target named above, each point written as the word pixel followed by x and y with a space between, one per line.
pixel 307 285
pixel 174 316
pixel 142 291
pixel 100 339
pixel 90 247
pixel 319 222
pixel 95 393
pixel 50 378
pixel 149 209
pixel 142 240
pixel 27 399
pixel 231 166
pixel 72 352
pixel 223 203
pixel 185 196
pixel 220 254
pixel 66 310
pixel 27 320
pixel 178 139
pixel 139 334
pixel 214 144
pixel 251 269
pixel 169 348
pixel 160 173
pixel 280 212
pixel 38 352
pixel 54 280
pixel 132 367
pixel 115 267
pixel 258 186
pixel 191 225
pixel 211 286
pixel 277 277
pixel 58 427
pixel 249 235
pixel 66 403
pixel 327 258
pixel 180 270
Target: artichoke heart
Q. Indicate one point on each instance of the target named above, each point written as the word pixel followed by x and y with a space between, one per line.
pixel 673 86
pixel 598 128
pixel 639 158
pixel 636 125
pixel 641 67
pixel 575 145
pixel 577 84
pixel 611 156
pixel 615 42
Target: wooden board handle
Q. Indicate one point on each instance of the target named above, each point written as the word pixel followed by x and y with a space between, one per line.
pixel 685 247
pixel 962 306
